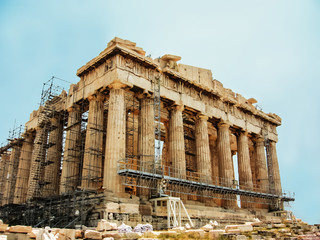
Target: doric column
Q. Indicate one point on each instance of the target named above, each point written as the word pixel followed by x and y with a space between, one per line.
pixel 71 160
pixel 146 141
pixel 24 169
pixel 275 168
pixel 116 138
pixel 37 162
pixel 261 166
pixel 225 160
pixel 176 142
pixel 215 166
pixel 53 161
pixel 12 172
pixel 92 160
pixel 203 149
pixel 244 168
pixel 4 166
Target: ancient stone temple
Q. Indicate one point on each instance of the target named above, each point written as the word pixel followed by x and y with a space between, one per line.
pixel 134 137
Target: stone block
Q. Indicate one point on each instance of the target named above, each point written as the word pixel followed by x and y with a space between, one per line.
pixel 20 229
pixel 233 231
pixel 112 207
pixel 279 225
pixel 4 227
pixel 241 228
pixel 133 235
pixel 207 227
pixel 91 234
pixel 129 208
pixel 113 234
pixel 179 229
pixel 104 225
pixel 214 234
pixel 78 233
pixel 67 234
pixel 33 233
pixel 241 237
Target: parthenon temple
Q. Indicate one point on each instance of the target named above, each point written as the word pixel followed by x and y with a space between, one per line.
pixel 134 137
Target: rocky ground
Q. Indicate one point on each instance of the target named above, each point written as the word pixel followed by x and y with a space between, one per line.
pixel 275 229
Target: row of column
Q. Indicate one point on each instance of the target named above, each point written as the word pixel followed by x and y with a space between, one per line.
pixel 210 162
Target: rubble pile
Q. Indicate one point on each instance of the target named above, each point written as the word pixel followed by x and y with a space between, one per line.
pixel 272 229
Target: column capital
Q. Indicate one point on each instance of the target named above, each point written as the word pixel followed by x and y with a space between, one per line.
pixel 144 94
pixel 201 116
pixel 179 107
pixel 97 96
pixel 117 84
pixel 224 124
pixel 75 107
pixel 242 131
pixel 259 140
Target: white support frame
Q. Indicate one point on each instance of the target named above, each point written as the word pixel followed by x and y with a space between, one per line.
pixel 174 211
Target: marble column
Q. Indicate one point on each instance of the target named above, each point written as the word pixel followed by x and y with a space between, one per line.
pixel 146 141
pixel 53 162
pixel 176 143
pixel 92 160
pixel 12 172
pixel 261 166
pixel 24 169
pixel 225 162
pixel 4 166
pixel 203 149
pixel 275 168
pixel 244 168
pixel 215 166
pixel 71 160
pixel 116 138
pixel 37 162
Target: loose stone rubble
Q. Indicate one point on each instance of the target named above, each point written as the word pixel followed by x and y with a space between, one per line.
pixel 272 229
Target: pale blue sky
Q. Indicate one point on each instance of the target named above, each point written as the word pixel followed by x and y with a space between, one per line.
pixel 268 50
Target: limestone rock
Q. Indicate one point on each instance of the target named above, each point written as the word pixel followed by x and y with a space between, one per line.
pixel 241 228
pixel 20 229
pixel 78 233
pixel 279 225
pixel 4 227
pixel 241 237
pixel 179 229
pixel 67 234
pixel 104 225
pixel 91 234
pixel 112 234
pixel 207 227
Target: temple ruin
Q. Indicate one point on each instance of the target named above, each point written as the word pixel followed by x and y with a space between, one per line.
pixel 136 140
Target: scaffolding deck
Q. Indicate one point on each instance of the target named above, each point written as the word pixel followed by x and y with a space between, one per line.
pixel 204 186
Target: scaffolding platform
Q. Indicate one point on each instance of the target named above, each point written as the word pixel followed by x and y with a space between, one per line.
pixel 129 171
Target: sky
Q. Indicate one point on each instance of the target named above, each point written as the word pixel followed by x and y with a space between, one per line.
pixel 266 49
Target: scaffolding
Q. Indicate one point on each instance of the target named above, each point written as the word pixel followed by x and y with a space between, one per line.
pixel 44 204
